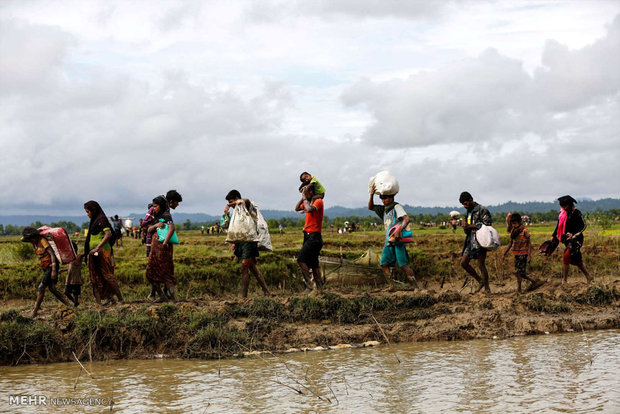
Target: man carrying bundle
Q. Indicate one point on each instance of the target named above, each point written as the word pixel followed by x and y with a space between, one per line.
pixel 246 251
pixel 394 251
pixel 477 215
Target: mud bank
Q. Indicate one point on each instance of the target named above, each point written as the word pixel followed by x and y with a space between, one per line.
pixel 220 328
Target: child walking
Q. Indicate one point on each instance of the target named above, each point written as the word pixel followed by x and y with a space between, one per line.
pixel 49 264
pixel 522 250
pixel 73 284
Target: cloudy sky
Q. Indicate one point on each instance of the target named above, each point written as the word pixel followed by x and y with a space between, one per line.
pixel 120 101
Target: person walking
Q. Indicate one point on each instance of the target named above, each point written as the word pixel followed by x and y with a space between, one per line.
pixel 73 283
pixel 477 215
pixel 569 230
pixel 49 264
pixel 521 247
pixel 394 252
pixel 99 254
pixel 308 257
pixel 246 251
pixel 160 266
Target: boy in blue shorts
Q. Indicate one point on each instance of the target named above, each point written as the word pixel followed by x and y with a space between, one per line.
pixel 394 252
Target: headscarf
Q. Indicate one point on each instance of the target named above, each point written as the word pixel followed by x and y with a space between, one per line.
pixel 563 217
pixel 567 200
pixel 98 222
pixel 164 209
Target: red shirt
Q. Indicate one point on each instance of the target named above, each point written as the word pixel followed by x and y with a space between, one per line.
pixel 314 220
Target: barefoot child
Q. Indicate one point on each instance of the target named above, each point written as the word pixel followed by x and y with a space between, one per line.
pixel 308 180
pixel 522 251
pixel 49 264
pixel 73 284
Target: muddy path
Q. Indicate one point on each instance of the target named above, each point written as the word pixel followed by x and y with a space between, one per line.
pixel 227 326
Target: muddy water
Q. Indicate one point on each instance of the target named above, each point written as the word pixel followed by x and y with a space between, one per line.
pixel 552 373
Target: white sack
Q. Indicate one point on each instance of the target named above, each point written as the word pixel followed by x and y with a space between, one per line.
pixel 242 227
pixel 264 238
pixel 385 183
pixel 488 238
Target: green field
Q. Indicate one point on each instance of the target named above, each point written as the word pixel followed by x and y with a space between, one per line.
pixel 210 321
pixel 205 268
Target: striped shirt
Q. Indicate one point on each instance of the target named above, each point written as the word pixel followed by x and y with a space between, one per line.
pixel 521 243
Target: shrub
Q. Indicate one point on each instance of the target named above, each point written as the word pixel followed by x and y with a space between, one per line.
pixel 449 297
pixel 307 308
pixel 265 308
pixel 596 295
pixel 539 303
pixel 418 300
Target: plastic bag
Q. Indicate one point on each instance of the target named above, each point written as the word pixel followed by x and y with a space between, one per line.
pixel 162 233
pixel 242 227
pixel 385 183
pixel 264 238
pixel 488 238
pixel 224 221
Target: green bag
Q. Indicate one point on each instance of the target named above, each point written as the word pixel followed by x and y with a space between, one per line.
pixel 162 233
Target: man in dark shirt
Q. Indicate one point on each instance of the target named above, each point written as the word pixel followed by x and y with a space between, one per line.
pixel 477 215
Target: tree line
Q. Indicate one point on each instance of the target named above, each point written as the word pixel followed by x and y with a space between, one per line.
pixel 605 219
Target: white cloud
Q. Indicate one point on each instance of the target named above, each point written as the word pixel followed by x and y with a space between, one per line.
pixel 491 97
pixel 120 101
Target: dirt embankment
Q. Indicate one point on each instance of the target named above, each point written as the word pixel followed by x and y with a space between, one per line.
pixel 220 328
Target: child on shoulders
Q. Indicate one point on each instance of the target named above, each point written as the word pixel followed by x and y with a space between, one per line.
pixel 307 180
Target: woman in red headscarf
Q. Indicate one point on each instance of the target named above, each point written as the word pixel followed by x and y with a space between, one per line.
pixel 569 230
pixel 98 252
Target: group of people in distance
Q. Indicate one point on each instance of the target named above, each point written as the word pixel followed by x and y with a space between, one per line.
pixel 160 239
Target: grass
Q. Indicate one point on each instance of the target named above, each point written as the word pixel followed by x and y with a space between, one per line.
pixel 539 302
pixel 205 268
pixel 206 272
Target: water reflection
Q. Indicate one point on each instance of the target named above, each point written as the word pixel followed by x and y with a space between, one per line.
pixel 553 373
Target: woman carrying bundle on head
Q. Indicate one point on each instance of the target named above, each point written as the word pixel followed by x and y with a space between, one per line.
pixel 98 252
pixel 160 267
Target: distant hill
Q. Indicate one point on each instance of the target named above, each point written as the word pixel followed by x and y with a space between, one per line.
pixel 528 207
pixel 338 211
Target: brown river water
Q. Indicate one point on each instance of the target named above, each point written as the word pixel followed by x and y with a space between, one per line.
pixel 578 372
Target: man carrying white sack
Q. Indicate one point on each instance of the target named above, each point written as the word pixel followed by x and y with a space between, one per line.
pixel 394 251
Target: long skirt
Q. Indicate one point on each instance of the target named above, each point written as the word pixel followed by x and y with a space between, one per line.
pixel 160 268
pixel 101 269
